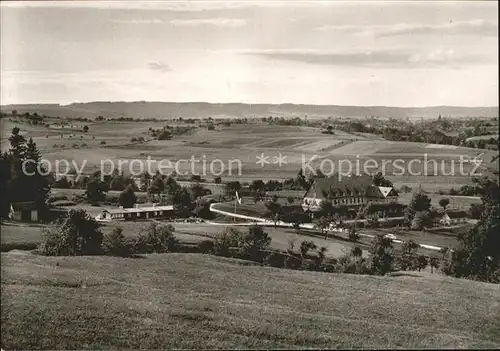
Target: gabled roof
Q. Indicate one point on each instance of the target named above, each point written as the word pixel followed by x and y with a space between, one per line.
pixel 351 186
pixel 385 190
pixel 456 214
pixel 27 205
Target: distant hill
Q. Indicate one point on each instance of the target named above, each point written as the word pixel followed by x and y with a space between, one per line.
pixel 143 109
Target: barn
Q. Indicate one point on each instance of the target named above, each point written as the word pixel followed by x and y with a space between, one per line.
pixel 136 213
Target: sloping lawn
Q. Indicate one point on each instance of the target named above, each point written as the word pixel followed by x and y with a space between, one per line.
pixel 199 301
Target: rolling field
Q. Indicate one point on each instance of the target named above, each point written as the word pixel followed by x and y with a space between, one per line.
pixel 238 147
pixel 198 301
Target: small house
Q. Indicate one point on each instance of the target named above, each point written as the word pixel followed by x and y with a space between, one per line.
pixel 24 211
pixel 445 220
pixel 453 218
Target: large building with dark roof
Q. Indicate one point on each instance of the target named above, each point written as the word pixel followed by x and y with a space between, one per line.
pixel 352 191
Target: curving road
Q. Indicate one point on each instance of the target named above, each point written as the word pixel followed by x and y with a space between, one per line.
pixel 266 222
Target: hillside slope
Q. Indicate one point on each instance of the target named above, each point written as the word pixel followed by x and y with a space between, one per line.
pixel 199 301
pixel 143 109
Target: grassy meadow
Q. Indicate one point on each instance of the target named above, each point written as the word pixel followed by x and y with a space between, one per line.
pixel 198 301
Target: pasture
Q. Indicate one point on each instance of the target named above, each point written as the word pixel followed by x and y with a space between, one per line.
pixel 193 301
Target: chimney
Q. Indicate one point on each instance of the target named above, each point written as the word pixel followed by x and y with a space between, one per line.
pixel 136 205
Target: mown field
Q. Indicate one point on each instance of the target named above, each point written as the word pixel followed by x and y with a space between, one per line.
pixel 197 301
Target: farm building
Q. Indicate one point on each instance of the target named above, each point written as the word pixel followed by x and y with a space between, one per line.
pixel 24 211
pixel 136 213
pixel 352 191
pixel 453 218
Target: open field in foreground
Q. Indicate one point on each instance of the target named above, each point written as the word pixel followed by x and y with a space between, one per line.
pixel 199 301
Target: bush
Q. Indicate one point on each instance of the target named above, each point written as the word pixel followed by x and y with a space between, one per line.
pixel 224 241
pixel 382 255
pixel 353 234
pixel 476 210
pixel 115 244
pixel 78 234
pixel 409 257
pixel 206 246
pixel 372 222
pixel 254 242
pixel 405 189
pixel 292 262
pixel 275 259
pixel 156 238
pixel 164 135
pixel 420 220
pixel 422 262
pixel 352 264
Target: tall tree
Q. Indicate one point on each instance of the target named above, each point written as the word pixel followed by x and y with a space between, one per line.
pixel 382 255
pixel 157 185
pixel 274 210
pixel 145 180
pixel 25 181
pixel 17 144
pixel 196 191
pixel 323 224
pixel 232 187
pixel 478 254
pixel 171 185
pixel 127 197
pixel 182 202
pixel 326 208
pixel 96 188
pixel 409 255
pixel 301 179
pixel 32 152
pixel 444 203
pixel 420 202
pixel 379 180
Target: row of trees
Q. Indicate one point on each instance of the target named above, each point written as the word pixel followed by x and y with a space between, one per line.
pixel 167 132
pixel 439 131
pixel 79 234
pixel 22 183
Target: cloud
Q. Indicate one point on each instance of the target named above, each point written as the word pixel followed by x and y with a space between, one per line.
pixel 159 66
pixel 218 22
pixel 136 21
pixel 187 6
pixel 479 27
pixel 380 58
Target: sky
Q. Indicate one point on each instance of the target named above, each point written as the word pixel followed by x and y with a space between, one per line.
pixel 362 53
